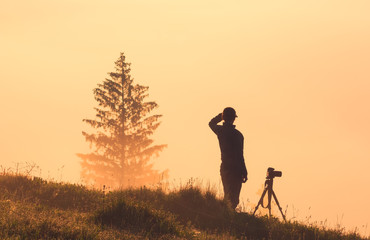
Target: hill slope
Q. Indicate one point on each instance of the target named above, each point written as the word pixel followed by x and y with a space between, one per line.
pixel 37 209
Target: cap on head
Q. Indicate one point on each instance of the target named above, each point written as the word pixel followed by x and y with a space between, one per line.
pixel 229 114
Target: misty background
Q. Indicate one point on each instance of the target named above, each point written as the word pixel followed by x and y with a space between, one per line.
pixel 296 73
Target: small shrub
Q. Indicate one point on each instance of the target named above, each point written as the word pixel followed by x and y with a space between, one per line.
pixel 138 217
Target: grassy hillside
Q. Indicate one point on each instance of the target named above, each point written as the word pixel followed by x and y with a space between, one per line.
pixel 32 208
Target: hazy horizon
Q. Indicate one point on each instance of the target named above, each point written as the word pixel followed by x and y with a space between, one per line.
pixel 297 74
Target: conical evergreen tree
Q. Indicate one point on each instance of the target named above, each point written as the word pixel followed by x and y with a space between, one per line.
pixel 122 146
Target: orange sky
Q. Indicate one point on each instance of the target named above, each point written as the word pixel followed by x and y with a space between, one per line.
pixel 297 74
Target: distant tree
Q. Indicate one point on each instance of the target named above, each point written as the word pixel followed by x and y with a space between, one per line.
pixel 122 146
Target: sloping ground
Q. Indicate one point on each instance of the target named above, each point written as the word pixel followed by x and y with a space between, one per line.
pixel 36 209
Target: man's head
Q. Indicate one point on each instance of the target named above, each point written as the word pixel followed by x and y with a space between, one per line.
pixel 229 114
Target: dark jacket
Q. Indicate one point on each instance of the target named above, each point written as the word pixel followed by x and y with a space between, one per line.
pixel 231 144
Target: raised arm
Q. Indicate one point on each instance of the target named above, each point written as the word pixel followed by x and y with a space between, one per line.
pixel 213 123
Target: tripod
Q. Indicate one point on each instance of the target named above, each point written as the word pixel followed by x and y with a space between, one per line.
pixel 268 188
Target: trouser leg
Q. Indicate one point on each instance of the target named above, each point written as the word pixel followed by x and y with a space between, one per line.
pixel 232 186
pixel 235 193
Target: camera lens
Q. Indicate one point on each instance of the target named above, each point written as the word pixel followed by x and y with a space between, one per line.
pixel 278 173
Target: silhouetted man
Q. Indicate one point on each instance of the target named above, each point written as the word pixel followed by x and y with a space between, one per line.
pixel 233 170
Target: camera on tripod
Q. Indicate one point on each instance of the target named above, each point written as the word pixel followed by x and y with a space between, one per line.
pixel 271 173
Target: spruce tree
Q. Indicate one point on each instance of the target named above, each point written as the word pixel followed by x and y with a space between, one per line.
pixel 121 141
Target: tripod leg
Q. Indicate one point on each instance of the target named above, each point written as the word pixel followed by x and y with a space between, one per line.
pixel 260 202
pixel 269 201
pixel 277 203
